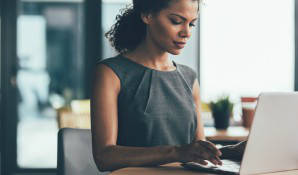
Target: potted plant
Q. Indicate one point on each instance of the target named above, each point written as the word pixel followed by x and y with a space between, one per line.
pixel 221 111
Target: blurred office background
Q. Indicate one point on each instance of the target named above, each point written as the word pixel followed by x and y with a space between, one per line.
pixel 49 47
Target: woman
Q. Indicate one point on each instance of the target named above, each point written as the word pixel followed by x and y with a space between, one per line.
pixel 146 108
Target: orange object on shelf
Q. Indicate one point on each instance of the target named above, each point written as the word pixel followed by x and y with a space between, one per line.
pixel 248 110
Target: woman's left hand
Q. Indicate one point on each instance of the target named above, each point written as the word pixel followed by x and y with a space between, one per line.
pixel 234 152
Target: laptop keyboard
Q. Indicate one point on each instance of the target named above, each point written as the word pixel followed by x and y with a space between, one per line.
pixel 227 166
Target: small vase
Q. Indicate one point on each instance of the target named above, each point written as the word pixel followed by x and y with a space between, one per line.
pixel 221 122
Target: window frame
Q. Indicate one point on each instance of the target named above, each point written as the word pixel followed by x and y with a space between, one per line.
pixel 8 57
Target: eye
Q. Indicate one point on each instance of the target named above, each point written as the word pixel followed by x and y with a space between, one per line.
pixel 175 22
pixel 192 25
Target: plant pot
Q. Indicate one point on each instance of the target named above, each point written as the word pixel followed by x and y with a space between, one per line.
pixel 248 110
pixel 221 122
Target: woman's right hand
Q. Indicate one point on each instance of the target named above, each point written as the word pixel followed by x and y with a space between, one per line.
pixel 199 151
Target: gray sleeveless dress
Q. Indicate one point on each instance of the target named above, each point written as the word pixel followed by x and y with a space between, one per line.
pixel 154 107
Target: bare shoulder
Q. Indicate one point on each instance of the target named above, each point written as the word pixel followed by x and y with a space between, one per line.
pixel 106 77
pixel 104 71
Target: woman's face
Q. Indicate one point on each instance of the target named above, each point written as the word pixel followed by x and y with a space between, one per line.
pixel 171 28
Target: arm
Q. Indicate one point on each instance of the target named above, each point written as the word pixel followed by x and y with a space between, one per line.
pixel 200 135
pixel 234 152
pixel 108 155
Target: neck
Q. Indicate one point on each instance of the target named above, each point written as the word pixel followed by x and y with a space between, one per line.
pixel 149 55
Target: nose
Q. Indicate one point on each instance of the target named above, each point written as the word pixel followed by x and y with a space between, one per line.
pixel 185 32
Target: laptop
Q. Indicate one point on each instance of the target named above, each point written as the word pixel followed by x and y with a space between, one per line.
pixel 272 144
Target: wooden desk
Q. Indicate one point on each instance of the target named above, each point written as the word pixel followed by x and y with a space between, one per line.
pixel 175 169
pixel 233 133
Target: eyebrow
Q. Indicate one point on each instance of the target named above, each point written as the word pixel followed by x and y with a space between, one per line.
pixel 182 17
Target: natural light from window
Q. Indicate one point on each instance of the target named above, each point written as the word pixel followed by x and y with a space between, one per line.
pixel 247 47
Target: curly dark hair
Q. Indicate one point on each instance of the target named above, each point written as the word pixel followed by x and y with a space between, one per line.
pixel 129 30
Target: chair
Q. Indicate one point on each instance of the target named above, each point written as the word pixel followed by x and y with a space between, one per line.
pixel 75 153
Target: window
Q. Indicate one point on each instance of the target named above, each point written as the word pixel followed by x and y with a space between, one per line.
pixel 247 47
pixel 50 73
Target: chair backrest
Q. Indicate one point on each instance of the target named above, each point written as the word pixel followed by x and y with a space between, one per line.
pixel 75 153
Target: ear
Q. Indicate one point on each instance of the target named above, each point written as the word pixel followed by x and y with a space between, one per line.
pixel 146 18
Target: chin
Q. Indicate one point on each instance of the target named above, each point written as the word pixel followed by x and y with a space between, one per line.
pixel 175 52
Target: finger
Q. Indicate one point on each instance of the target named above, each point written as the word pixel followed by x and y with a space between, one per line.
pixel 206 155
pixel 213 148
pixel 202 162
pixel 215 160
pixel 218 160
pixel 210 146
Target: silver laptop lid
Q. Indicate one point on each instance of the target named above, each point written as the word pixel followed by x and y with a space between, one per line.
pixel 273 141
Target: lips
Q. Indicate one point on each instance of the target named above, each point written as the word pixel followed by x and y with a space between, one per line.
pixel 179 45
